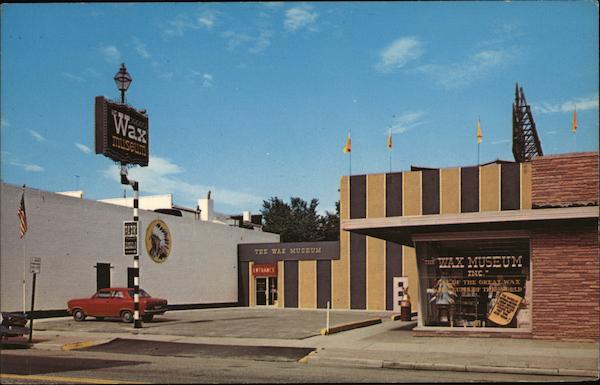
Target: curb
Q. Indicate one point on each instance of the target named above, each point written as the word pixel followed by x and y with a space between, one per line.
pixel 313 359
pixel 84 344
pixel 350 326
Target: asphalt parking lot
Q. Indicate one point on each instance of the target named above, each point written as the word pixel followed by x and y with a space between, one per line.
pixel 239 322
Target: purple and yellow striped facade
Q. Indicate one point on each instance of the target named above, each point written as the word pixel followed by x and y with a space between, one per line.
pixel 362 278
pixel 360 274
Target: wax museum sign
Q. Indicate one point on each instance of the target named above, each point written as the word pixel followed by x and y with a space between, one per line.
pixel 121 132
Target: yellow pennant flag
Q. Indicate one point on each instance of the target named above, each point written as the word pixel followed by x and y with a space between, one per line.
pixel 389 140
pixel 348 145
pixel 574 125
pixel 479 134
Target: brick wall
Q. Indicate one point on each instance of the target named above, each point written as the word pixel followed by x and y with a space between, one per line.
pixel 565 278
pixel 565 180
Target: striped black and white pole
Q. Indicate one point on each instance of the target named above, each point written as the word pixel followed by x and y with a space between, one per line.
pixel 137 322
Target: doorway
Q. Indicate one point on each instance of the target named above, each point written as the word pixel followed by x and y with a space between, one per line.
pixel 102 275
pixel 266 291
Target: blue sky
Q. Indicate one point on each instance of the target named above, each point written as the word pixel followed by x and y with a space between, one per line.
pixel 254 100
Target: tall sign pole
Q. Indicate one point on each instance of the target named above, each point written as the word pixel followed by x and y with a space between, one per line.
pixel 137 322
pixel 122 135
pixel 34 268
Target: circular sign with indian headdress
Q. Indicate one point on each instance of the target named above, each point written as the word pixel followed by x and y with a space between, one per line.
pixel 158 241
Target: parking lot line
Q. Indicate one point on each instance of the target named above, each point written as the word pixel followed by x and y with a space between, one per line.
pixel 70 380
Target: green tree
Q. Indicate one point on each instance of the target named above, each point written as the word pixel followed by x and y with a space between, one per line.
pixel 329 224
pixel 299 221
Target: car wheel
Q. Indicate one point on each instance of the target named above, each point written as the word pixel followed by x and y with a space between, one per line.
pixel 78 315
pixel 147 317
pixel 126 316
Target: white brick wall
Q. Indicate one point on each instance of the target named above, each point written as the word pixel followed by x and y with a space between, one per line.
pixel 71 235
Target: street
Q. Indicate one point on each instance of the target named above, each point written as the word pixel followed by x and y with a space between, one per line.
pixel 246 345
pixel 38 366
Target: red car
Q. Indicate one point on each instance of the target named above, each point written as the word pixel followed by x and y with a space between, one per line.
pixel 116 302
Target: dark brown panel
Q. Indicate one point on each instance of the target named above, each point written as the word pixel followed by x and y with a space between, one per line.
pixel 358 196
pixel 290 283
pixel 393 194
pixel 469 189
pixel 323 283
pixel 431 191
pixel 393 268
pixel 358 271
pixel 243 284
pixel 510 186
pixel 288 251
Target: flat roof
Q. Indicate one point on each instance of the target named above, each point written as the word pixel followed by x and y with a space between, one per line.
pixel 401 229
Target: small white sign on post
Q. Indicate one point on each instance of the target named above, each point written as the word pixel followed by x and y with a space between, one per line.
pixel 131 231
pixel 35 265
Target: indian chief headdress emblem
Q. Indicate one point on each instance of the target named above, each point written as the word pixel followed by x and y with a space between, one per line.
pixel 158 241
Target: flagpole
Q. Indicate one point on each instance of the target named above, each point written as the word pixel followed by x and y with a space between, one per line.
pixel 479 137
pixel 24 263
pixel 350 151
pixel 350 164
pixel 574 129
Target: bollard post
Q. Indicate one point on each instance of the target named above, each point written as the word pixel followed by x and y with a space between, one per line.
pixel 327 323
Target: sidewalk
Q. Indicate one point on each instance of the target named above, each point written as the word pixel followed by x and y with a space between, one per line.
pixel 389 345
pixel 384 346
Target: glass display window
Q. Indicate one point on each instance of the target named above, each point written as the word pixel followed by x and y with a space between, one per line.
pixel 475 284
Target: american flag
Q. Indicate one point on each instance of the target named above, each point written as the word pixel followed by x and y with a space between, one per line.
pixel 22 217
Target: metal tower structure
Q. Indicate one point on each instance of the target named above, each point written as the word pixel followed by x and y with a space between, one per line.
pixel 526 142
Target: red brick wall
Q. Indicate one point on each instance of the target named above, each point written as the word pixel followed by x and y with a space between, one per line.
pixel 565 278
pixel 565 180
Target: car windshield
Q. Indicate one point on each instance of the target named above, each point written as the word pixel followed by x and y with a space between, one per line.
pixel 143 294
pixel 102 294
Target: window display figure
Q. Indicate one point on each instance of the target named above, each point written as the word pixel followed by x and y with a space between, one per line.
pixel 443 297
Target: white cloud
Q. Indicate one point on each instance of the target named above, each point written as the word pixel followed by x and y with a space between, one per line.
pixel 207 80
pixel 261 42
pixel 161 177
pixel 33 168
pixel 207 19
pixel 83 148
pixel 501 141
pixel 584 103
pixel 37 136
pixel 255 44
pixel 4 123
pixel 398 53
pixel 28 167
pixel 181 23
pixel 473 68
pixel 406 121
pixel 73 77
pixel 111 54
pixel 166 75
pixel 91 73
pixel 140 48
pixel 300 17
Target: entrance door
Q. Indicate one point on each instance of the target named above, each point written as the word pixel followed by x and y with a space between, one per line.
pixel 272 290
pixel 130 271
pixel 102 275
pixel 266 291
pixel 261 291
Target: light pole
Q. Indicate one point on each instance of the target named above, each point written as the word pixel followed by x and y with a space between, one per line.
pixel 123 80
